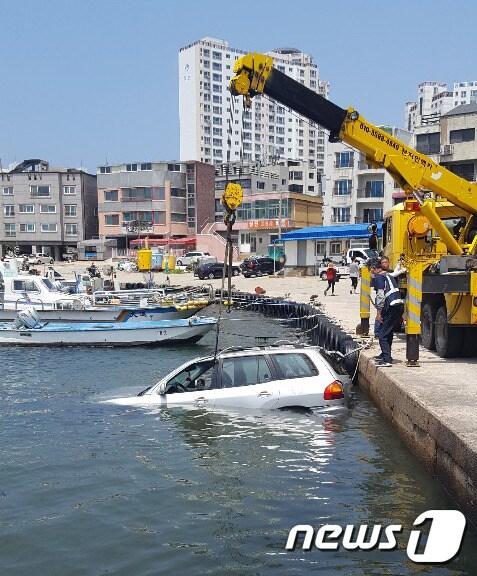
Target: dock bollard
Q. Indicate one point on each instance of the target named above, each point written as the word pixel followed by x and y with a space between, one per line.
pixel 364 302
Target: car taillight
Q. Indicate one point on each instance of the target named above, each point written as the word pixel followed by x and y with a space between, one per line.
pixel 334 391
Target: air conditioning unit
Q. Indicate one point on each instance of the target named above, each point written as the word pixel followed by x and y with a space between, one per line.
pixel 447 149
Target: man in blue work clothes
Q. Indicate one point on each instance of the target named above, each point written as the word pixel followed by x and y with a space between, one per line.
pixel 389 306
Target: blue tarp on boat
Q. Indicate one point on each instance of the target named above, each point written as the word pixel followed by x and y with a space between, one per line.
pixel 330 232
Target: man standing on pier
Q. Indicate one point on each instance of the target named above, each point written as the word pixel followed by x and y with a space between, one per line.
pixel 390 307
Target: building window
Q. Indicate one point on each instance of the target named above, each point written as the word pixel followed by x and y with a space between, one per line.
pixel 342 187
pixel 40 191
pixel 178 193
pixel 335 248
pixel 111 196
pixel 111 219
pixel 71 229
pixel 70 210
pixel 105 169
pixel 146 166
pixel 342 214
pixel 9 210
pixel 10 230
pixel 47 208
pixel 344 160
pixel 174 167
pixel 372 215
pixel 178 217
pixel 26 208
pixel 69 190
pixel 428 143
pixel 260 185
pixel 217 55
pixel 49 228
pixel 374 189
pixel 465 135
pixel 464 170
pixel 131 167
pixel 320 248
pixel 8 191
pixel 27 227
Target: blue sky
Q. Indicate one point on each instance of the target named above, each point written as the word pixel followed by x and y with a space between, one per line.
pixel 88 81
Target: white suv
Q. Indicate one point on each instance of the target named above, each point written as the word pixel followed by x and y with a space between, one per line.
pixel 40 258
pixel 191 258
pixel 269 377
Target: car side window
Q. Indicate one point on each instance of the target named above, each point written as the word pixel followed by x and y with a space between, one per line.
pixel 245 371
pixel 295 365
pixel 194 378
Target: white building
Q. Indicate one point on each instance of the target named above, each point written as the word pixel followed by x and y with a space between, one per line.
pixel 434 99
pixel 354 191
pixel 262 133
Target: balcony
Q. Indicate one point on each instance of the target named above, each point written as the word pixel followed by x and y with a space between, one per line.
pixel 365 167
pixel 339 165
pixel 341 219
pixel 369 195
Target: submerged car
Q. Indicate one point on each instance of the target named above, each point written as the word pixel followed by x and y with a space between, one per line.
pixel 256 378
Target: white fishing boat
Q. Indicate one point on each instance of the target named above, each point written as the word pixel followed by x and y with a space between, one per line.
pixel 106 313
pixel 19 292
pixel 30 330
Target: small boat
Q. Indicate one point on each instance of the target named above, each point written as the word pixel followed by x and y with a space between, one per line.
pixel 29 330
pixel 109 313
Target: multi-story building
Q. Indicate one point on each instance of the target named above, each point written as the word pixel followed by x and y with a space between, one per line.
pixel 276 199
pixel 356 192
pixel 434 99
pixel 46 209
pixel 211 119
pixel 458 143
pixel 165 200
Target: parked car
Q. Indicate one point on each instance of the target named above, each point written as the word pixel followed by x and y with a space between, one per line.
pixel 190 258
pixel 361 255
pixel 214 270
pixel 260 266
pixel 256 378
pixel 40 258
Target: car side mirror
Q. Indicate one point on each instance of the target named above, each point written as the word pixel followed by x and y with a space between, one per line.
pixel 162 388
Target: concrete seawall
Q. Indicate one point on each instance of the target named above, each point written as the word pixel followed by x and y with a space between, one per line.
pixel 426 421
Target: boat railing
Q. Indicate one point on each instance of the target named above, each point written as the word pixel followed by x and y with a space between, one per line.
pixel 30 301
pixel 148 297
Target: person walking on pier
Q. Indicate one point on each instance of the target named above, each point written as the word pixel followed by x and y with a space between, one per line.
pixel 389 306
pixel 354 274
pixel 331 277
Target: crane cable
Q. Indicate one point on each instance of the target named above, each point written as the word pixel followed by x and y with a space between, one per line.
pixel 231 200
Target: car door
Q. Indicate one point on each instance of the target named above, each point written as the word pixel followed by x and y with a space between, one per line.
pixel 192 386
pixel 302 380
pixel 247 382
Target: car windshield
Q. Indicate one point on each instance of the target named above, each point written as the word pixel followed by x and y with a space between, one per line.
pixel 196 376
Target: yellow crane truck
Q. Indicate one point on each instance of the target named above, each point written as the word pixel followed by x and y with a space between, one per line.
pixel 435 228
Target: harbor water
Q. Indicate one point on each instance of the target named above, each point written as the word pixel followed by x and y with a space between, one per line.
pixel 88 488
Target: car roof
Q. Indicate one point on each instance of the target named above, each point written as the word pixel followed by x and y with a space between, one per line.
pixel 237 351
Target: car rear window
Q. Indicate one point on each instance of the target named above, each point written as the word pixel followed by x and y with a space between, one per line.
pixel 245 371
pixel 295 365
